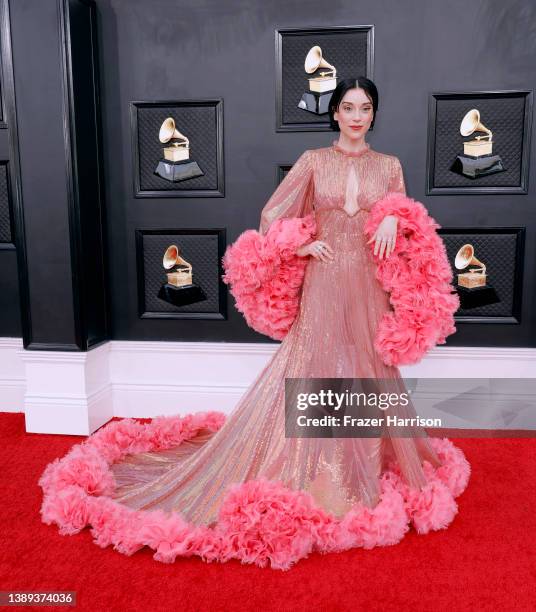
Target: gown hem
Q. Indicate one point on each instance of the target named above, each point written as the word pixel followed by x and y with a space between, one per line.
pixel 260 521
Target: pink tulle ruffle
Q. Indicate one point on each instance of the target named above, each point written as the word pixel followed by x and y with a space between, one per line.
pixel 260 521
pixel 266 275
pixel 418 277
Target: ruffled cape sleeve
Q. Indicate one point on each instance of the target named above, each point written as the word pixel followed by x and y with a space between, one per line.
pixel 418 277
pixel 262 269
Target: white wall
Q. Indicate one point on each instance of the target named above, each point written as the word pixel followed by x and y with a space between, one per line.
pixel 76 392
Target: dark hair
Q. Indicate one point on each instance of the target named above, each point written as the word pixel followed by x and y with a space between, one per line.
pixel 340 91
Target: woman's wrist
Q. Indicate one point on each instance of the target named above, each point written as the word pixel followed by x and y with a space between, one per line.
pixel 301 251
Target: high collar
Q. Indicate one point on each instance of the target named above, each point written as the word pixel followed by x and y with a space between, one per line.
pixel 366 149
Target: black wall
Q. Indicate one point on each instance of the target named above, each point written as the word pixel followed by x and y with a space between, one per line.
pixel 164 50
pixel 10 197
pixel 62 278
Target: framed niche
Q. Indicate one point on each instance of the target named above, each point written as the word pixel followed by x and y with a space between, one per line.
pixel 179 273
pixel 177 148
pixel 479 142
pixel 309 64
pixel 487 265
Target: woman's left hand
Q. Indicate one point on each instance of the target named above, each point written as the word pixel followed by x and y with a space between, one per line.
pixel 385 236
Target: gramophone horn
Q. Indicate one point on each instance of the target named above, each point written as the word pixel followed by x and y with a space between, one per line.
pixel 471 123
pixel 314 60
pixel 170 256
pixel 168 132
pixel 466 257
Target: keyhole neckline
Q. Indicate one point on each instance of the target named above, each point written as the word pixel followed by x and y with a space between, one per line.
pixel 337 147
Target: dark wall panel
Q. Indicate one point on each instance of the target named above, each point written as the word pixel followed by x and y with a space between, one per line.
pixel 39 93
pixel 161 50
pixel 87 212
pixel 59 227
pixel 10 309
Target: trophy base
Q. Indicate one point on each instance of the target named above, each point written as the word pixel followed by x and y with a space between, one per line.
pixel 181 296
pixel 477 296
pixel 178 171
pixel 316 103
pixel 475 167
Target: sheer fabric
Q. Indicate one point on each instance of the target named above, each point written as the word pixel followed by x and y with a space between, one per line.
pixel 332 337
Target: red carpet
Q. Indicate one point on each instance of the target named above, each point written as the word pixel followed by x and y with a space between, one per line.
pixel 484 560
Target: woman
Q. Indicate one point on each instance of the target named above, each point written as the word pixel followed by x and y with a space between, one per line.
pixel 237 487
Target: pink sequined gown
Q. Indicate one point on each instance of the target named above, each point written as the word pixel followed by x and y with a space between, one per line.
pixel 332 336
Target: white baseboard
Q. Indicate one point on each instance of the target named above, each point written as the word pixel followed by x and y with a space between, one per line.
pixel 12 376
pixel 153 378
pixel 67 392
pixel 75 393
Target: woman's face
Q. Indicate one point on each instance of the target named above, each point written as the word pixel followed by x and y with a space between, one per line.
pixel 355 109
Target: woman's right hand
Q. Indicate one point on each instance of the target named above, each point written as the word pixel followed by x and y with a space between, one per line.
pixel 318 249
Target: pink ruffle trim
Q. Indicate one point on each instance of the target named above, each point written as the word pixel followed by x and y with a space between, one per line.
pixel 260 521
pixel 265 274
pixel 418 277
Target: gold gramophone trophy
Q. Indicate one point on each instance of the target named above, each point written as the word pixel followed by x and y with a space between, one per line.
pixel 176 164
pixel 473 288
pixel 179 290
pixel 321 87
pixel 477 159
